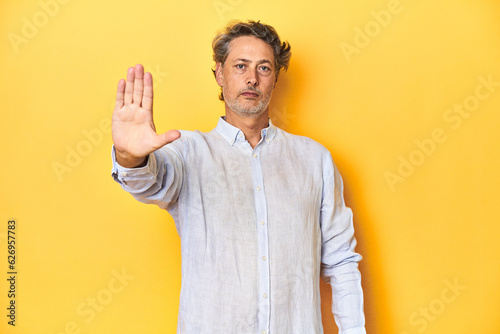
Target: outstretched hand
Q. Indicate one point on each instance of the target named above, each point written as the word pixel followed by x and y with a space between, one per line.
pixel 133 130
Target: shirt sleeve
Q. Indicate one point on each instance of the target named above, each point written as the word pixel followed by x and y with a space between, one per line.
pixel 159 182
pixel 339 265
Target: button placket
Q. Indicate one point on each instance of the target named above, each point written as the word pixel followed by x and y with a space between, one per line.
pixel 262 237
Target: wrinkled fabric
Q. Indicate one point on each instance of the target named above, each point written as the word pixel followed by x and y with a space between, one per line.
pixel 258 228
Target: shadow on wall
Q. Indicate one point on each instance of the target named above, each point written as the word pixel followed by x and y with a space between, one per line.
pixel 372 310
pixel 279 110
pixel 376 311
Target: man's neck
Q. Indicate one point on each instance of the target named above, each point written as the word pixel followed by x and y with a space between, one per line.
pixel 251 127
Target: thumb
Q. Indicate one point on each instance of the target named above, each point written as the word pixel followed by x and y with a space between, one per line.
pixel 168 137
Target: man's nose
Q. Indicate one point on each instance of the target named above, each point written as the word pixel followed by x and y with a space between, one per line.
pixel 252 78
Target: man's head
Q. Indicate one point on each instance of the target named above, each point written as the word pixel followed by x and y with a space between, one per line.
pixel 248 57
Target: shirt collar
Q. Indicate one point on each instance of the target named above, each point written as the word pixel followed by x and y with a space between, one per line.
pixel 230 133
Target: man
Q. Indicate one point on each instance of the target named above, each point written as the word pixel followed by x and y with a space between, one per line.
pixel 260 212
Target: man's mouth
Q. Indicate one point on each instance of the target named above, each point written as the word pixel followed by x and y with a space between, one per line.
pixel 250 94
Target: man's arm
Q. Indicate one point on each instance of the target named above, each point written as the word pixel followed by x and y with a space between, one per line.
pixel 150 174
pixel 339 259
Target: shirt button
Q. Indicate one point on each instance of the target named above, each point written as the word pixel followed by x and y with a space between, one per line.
pixel 258 188
pixel 264 295
pixel 124 174
pixel 255 155
pixel 264 258
pixel 264 331
pixel 261 222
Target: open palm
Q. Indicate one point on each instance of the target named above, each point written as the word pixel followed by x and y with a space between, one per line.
pixel 133 129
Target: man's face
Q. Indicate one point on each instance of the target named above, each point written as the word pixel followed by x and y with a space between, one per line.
pixel 248 76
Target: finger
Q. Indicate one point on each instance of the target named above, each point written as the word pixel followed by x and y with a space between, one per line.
pixel 138 84
pixel 129 86
pixel 167 137
pixel 147 97
pixel 119 94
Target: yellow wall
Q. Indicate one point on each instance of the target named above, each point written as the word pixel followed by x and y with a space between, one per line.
pixel 405 94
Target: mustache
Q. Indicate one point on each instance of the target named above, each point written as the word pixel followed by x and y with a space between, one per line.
pixel 250 89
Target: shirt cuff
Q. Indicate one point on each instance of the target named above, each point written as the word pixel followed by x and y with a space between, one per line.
pixel 123 174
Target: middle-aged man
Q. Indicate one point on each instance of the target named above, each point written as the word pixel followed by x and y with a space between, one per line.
pixel 260 212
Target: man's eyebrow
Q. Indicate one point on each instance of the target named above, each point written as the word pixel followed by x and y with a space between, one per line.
pixel 263 61
pixel 241 60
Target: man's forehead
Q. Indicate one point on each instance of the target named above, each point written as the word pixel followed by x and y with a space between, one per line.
pixel 250 48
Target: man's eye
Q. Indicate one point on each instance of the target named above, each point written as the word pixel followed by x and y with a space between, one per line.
pixel 265 68
pixel 240 66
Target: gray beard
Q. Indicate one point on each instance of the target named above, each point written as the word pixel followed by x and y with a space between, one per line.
pixel 253 112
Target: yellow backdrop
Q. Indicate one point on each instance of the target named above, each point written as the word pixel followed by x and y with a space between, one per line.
pixel 405 94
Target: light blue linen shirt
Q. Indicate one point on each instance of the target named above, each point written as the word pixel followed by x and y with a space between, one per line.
pixel 258 228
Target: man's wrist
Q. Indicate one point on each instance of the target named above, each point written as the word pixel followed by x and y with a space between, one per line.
pixel 130 162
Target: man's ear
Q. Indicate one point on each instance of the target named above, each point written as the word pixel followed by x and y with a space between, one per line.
pixel 218 73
